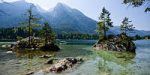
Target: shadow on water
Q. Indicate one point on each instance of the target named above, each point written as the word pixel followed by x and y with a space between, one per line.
pixel 115 63
pixel 121 58
pixel 66 51
pixel 73 48
pixel 73 51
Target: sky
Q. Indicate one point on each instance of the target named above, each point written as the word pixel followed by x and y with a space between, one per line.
pixel 92 9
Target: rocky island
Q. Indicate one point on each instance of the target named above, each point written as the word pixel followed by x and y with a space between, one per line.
pixel 122 42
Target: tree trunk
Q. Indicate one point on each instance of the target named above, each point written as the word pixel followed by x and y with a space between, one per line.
pixel 105 31
pixel 30 14
pixel 45 40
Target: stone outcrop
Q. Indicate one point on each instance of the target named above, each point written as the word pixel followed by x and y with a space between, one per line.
pixel 116 43
pixel 36 44
pixel 63 65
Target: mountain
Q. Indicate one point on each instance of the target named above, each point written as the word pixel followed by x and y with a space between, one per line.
pixel 71 20
pixel 62 18
pixel 116 30
pixel 15 13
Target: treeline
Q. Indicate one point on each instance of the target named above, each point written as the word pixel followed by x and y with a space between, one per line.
pixel 78 36
pixel 14 33
pixel 137 37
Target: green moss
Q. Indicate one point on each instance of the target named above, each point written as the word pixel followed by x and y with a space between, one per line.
pixel 32 53
pixel 121 58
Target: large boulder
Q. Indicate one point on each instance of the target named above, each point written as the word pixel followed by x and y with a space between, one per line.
pixel 63 64
pixel 117 43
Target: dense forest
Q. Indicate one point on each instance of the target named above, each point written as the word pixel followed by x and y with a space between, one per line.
pixel 16 33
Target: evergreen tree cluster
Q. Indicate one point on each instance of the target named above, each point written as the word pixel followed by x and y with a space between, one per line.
pixel 14 34
pixel 137 3
pixel 105 23
pixel 126 26
pixel 77 36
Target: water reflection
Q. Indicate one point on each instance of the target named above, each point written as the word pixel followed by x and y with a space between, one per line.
pixel 31 53
pixel 102 62
pixel 66 51
pixel 126 63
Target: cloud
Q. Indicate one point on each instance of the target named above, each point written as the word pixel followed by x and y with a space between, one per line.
pixel 46 4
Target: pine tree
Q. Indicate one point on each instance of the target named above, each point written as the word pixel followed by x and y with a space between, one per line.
pixel 105 23
pixel 31 23
pixel 47 33
pixel 126 26
pixel 137 3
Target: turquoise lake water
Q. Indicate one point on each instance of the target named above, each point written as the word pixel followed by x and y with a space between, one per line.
pixel 21 62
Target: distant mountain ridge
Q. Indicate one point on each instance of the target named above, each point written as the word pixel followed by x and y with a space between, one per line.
pixel 62 18
pixel 116 30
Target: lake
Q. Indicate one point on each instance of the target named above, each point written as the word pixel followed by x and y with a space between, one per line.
pixel 96 63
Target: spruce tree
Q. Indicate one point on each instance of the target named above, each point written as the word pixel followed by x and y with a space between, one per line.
pixel 31 23
pixel 126 26
pixel 105 23
pixel 138 3
pixel 48 33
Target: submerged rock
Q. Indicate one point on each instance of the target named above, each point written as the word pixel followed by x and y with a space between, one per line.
pixel 4 46
pixel 46 56
pixel 9 52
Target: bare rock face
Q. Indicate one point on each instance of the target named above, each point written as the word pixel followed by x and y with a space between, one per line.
pixel 117 43
pixel 63 65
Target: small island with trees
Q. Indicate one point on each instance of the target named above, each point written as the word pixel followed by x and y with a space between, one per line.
pixel 121 42
pixel 46 41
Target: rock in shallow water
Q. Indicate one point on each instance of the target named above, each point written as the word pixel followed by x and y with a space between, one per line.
pixel 3 46
pixel 46 56
pixel 30 73
pixel 62 65
pixel 9 52
pixel 121 42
